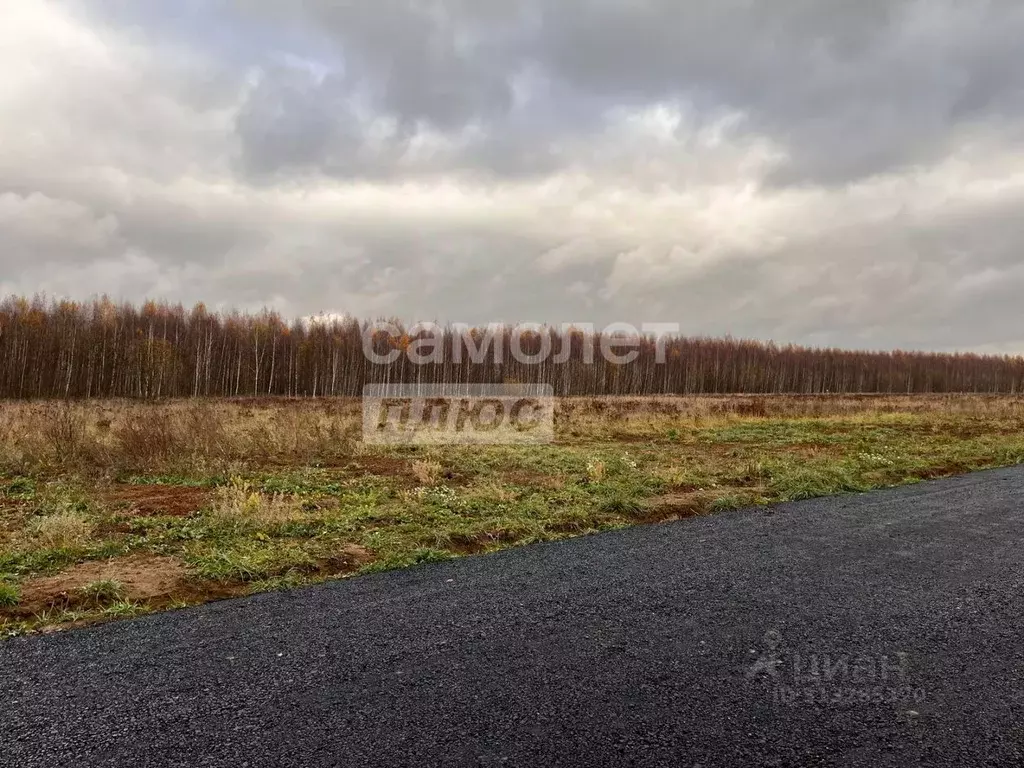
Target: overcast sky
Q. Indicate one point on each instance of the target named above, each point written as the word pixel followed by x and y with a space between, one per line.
pixel 818 171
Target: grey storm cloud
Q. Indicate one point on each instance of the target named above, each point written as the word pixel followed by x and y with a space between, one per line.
pixel 821 172
pixel 848 89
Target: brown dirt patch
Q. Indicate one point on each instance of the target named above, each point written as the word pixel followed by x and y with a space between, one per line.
pixel 144 577
pixel 349 558
pixel 153 500
pixel 398 469
pixel 381 465
pixel 674 506
pixel 451 477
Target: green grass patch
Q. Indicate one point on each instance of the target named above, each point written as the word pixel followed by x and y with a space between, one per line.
pixel 10 595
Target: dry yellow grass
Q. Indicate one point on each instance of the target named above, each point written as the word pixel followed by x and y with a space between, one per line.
pixel 89 435
pixel 221 435
pixel 426 472
pixel 61 530
pixel 240 504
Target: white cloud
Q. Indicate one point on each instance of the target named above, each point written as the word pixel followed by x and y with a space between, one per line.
pixel 718 186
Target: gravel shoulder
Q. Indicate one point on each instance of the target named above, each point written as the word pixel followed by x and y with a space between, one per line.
pixel 872 629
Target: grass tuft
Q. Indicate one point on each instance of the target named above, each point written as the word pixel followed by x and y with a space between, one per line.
pixel 621 505
pixel 63 530
pixel 103 592
pixel 10 595
pixel 427 472
pixel 238 505
pixel 124 609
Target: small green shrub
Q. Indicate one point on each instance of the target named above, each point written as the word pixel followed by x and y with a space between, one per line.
pixel 621 505
pixel 10 596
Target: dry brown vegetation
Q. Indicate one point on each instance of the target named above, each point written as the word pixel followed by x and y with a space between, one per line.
pixel 116 507
pixel 126 435
pixel 220 434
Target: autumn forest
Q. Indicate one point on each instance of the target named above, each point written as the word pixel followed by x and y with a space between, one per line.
pixel 59 349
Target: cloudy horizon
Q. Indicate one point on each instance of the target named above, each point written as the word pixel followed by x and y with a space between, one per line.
pixel 821 173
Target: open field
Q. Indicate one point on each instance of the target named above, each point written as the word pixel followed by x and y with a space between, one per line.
pixel 111 509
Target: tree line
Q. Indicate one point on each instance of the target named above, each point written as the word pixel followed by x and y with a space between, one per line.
pixel 62 349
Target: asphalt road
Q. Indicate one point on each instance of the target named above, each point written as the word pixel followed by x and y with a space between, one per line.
pixel 878 629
